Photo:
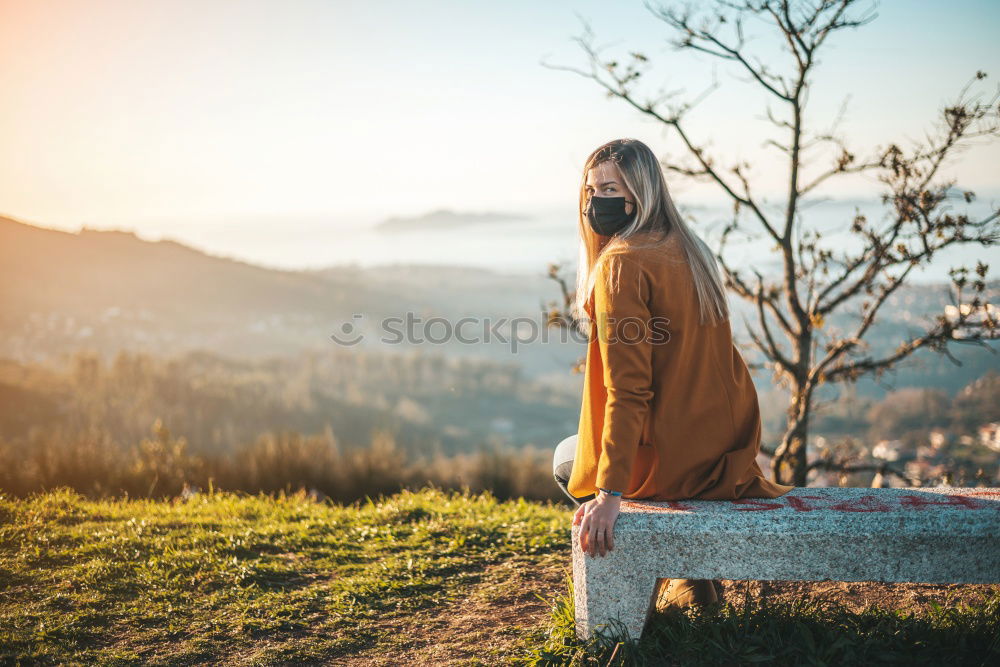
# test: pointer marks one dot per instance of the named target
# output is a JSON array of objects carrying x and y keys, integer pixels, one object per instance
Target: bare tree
[{"x": 818, "y": 281}]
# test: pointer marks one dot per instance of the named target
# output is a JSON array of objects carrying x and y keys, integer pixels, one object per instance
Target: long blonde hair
[{"x": 656, "y": 217}]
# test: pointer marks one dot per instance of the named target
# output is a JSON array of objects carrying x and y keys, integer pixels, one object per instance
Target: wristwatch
[{"x": 610, "y": 493}]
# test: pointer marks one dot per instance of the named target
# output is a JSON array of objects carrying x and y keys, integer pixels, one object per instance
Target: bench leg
[{"x": 609, "y": 599}]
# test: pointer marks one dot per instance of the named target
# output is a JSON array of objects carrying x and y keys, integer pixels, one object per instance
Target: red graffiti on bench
[{"x": 866, "y": 503}]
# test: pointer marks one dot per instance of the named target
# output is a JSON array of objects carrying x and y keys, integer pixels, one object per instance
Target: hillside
[
  {"x": 415, "y": 578},
  {"x": 111, "y": 290}
]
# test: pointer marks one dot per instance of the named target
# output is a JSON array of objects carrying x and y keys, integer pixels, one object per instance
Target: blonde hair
[{"x": 655, "y": 219}]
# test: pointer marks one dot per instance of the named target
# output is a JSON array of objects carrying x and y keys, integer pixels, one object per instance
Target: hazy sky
[{"x": 135, "y": 112}]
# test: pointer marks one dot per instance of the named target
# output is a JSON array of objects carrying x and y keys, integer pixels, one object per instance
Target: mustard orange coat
[{"x": 669, "y": 409}]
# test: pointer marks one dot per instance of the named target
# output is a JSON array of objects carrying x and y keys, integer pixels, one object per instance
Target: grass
[{"x": 418, "y": 577}]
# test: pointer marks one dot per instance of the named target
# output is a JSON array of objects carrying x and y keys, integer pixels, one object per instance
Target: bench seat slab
[{"x": 926, "y": 535}]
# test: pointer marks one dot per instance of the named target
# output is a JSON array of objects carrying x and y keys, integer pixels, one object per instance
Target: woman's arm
[{"x": 622, "y": 316}]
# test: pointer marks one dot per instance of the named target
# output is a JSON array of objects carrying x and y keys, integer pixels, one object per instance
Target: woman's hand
[{"x": 597, "y": 519}]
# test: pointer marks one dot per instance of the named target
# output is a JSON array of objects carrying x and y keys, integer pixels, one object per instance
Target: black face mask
[{"x": 607, "y": 215}]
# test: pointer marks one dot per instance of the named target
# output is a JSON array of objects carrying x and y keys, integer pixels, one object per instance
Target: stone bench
[{"x": 926, "y": 535}]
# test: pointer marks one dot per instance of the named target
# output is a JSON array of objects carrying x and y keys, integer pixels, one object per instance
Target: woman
[{"x": 669, "y": 409}]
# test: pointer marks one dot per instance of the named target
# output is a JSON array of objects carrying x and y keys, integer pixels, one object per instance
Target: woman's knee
[{"x": 562, "y": 457}]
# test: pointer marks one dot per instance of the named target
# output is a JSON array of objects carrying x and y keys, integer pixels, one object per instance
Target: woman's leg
[{"x": 562, "y": 467}]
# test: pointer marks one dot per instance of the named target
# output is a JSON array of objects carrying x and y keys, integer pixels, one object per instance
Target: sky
[{"x": 158, "y": 116}]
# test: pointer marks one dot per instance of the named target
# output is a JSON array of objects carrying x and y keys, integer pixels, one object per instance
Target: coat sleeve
[{"x": 622, "y": 316}]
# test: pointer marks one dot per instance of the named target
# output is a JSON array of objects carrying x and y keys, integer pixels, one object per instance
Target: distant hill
[
  {"x": 76, "y": 273},
  {"x": 112, "y": 289},
  {"x": 444, "y": 218}
]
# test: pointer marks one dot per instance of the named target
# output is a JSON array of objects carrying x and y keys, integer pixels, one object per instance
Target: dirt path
[{"x": 483, "y": 627}]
